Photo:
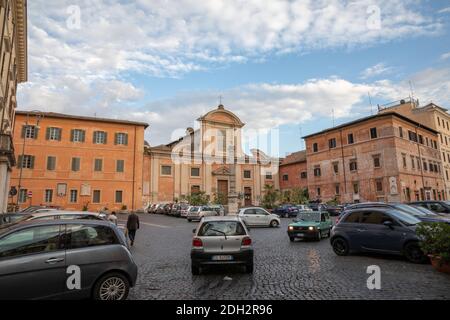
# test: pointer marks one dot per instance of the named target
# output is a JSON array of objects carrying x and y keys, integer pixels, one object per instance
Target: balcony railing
[{"x": 7, "y": 147}]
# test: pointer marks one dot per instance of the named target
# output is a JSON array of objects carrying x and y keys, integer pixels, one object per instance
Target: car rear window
[
  {"x": 81, "y": 236},
  {"x": 221, "y": 228}
]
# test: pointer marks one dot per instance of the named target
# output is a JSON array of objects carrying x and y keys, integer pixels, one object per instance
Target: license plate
[
  {"x": 300, "y": 235},
  {"x": 222, "y": 258}
]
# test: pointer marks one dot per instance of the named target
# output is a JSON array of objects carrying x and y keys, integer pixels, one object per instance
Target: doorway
[
  {"x": 247, "y": 196},
  {"x": 222, "y": 191}
]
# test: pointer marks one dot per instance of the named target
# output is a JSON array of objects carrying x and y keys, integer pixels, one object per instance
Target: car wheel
[
  {"x": 413, "y": 253},
  {"x": 189, "y": 220},
  {"x": 195, "y": 270},
  {"x": 292, "y": 239},
  {"x": 274, "y": 223},
  {"x": 340, "y": 246},
  {"x": 249, "y": 268},
  {"x": 112, "y": 286}
]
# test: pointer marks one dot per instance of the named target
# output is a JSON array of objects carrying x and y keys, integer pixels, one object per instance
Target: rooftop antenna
[
  {"x": 411, "y": 94},
  {"x": 370, "y": 101},
  {"x": 220, "y": 100}
]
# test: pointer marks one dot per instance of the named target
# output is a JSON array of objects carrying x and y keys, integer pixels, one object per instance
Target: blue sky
[{"x": 280, "y": 64}]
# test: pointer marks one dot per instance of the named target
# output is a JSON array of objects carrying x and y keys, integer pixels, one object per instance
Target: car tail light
[
  {"x": 246, "y": 241},
  {"x": 197, "y": 243}
]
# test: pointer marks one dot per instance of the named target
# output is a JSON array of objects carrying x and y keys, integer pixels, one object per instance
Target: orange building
[
  {"x": 294, "y": 172},
  {"x": 75, "y": 161}
]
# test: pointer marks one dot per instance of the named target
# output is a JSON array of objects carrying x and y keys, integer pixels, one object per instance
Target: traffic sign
[{"x": 30, "y": 194}]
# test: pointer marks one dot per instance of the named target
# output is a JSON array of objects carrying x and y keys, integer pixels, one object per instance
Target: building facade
[
  {"x": 293, "y": 172},
  {"x": 386, "y": 157},
  {"x": 74, "y": 162},
  {"x": 13, "y": 62},
  {"x": 435, "y": 117},
  {"x": 211, "y": 160}
]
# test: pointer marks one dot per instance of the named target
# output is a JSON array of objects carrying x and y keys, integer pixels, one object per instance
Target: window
[
  {"x": 32, "y": 240},
  {"x": 318, "y": 191},
  {"x": 82, "y": 236},
  {"x": 100, "y": 137},
  {"x": 439, "y": 121},
  {"x": 120, "y": 165},
  {"x": 51, "y": 163},
  {"x": 375, "y": 218},
  {"x": 431, "y": 166},
  {"x": 404, "y": 160},
  {"x": 29, "y": 132},
  {"x": 304, "y": 175},
  {"x": 221, "y": 147},
  {"x": 77, "y": 135},
  {"x": 373, "y": 133},
  {"x": 356, "y": 188},
  {"x": 76, "y": 164},
  {"x": 285, "y": 177},
  {"x": 23, "y": 195},
  {"x": 376, "y": 161},
  {"x": 166, "y": 170},
  {"x": 426, "y": 140},
  {"x": 195, "y": 172},
  {"x": 413, "y": 163},
  {"x": 247, "y": 174},
  {"x": 118, "y": 197},
  {"x": 26, "y": 161},
  {"x": 53, "y": 134},
  {"x": 353, "y": 165},
  {"x": 336, "y": 167},
  {"x": 400, "y": 132},
  {"x": 425, "y": 166},
  {"x": 446, "y": 174},
  {"x": 98, "y": 165},
  {"x": 220, "y": 228},
  {"x": 337, "y": 189},
  {"x": 73, "y": 196},
  {"x": 269, "y": 176},
  {"x": 332, "y": 143},
  {"x": 317, "y": 172},
  {"x": 48, "y": 196},
  {"x": 379, "y": 185},
  {"x": 96, "y": 196},
  {"x": 412, "y": 136},
  {"x": 350, "y": 138},
  {"x": 418, "y": 163},
  {"x": 195, "y": 189},
  {"x": 443, "y": 157},
  {"x": 121, "y": 138},
  {"x": 420, "y": 139},
  {"x": 315, "y": 147}
]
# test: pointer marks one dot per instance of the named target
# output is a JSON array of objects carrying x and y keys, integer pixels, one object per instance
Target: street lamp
[{"x": 39, "y": 115}]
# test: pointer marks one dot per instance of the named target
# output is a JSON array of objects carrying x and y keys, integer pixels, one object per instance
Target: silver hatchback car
[
  {"x": 62, "y": 259},
  {"x": 196, "y": 213},
  {"x": 221, "y": 240}
]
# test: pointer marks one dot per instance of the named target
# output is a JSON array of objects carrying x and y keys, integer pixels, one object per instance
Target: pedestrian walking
[
  {"x": 113, "y": 218},
  {"x": 132, "y": 226}
]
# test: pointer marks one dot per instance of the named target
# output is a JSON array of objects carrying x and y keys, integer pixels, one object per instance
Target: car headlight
[
  {"x": 311, "y": 228},
  {"x": 291, "y": 228}
]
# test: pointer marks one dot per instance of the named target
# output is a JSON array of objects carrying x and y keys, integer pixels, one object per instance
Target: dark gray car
[
  {"x": 387, "y": 231},
  {"x": 38, "y": 260}
]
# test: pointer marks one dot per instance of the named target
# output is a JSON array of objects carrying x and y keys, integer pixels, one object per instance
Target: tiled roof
[{"x": 296, "y": 157}]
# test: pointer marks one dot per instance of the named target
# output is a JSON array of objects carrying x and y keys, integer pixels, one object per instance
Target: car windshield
[
  {"x": 194, "y": 209},
  {"x": 221, "y": 228},
  {"x": 404, "y": 217},
  {"x": 425, "y": 210},
  {"x": 412, "y": 210},
  {"x": 309, "y": 216}
]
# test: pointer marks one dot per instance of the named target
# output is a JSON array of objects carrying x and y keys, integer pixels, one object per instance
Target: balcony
[{"x": 7, "y": 148}]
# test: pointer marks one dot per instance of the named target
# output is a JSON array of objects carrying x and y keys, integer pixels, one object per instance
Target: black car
[
  {"x": 286, "y": 211},
  {"x": 425, "y": 217},
  {"x": 439, "y": 207},
  {"x": 381, "y": 230}
]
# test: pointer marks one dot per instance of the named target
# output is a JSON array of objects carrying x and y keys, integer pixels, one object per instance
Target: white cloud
[
  {"x": 444, "y": 10},
  {"x": 445, "y": 56},
  {"x": 376, "y": 71}
]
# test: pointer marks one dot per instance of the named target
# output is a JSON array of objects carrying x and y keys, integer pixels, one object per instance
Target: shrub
[{"x": 435, "y": 239}]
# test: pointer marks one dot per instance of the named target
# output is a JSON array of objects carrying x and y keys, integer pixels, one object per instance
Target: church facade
[{"x": 209, "y": 159}]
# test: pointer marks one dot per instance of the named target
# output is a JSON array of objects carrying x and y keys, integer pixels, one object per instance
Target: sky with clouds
[{"x": 285, "y": 64}]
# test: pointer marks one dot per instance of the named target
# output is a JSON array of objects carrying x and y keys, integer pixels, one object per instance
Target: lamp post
[{"x": 39, "y": 115}]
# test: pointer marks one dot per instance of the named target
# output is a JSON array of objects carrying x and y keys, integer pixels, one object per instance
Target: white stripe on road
[{"x": 150, "y": 224}]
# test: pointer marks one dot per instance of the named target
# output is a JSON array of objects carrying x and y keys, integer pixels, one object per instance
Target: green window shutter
[
  {"x": 47, "y": 134},
  {"x": 94, "y": 136},
  {"x": 59, "y": 134},
  {"x": 126, "y": 139},
  {"x": 19, "y": 162},
  {"x": 83, "y": 135},
  {"x": 36, "y": 132},
  {"x": 71, "y": 135},
  {"x": 22, "y": 135},
  {"x": 106, "y": 138},
  {"x": 116, "y": 138},
  {"x": 32, "y": 162}
]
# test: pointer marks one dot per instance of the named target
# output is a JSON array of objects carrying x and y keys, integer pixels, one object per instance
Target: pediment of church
[{"x": 222, "y": 171}]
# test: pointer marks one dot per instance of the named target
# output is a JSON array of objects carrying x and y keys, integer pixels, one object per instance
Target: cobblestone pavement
[{"x": 283, "y": 270}]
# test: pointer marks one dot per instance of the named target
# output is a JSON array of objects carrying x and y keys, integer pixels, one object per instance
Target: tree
[
  {"x": 299, "y": 196},
  {"x": 270, "y": 196},
  {"x": 198, "y": 199}
]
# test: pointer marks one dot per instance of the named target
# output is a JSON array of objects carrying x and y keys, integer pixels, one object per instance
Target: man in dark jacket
[{"x": 132, "y": 226}]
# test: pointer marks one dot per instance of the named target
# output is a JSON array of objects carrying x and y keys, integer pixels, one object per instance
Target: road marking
[{"x": 150, "y": 224}]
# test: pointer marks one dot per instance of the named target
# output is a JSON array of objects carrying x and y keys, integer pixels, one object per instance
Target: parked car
[
  {"x": 439, "y": 207},
  {"x": 177, "y": 208},
  {"x": 38, "y": 208},
  {"x": 430, "y": 217},
  {"x": 383, "y": 230},
  {"x": 196, "y": 213},
  {"x": 286, "y": 211},
  {"x": 258, "y": 217},
  {"x": 220, "y": 209},
  {"x": 35, "y": 256},
  {"x": 222, "y": 240},
  {"x": 303, "y": 207},
  {"x": 184, "y": 211},
  {"x": 68, "y": 215},
  {"x": 160, "y": 208},
  {"x": 332, "y": 210},
  {"x": 310, "y": 225},
  {"x": 8, "y": 218},
  {"x": 151, "y": 208}
]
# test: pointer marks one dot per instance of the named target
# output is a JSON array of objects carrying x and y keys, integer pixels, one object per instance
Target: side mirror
[
  {"x": 389, "y": 224},
  {"x": 194, "y": 230}
]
